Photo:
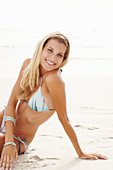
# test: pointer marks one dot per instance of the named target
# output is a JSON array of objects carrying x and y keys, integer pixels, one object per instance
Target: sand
[{"x": 90, "y": 110}]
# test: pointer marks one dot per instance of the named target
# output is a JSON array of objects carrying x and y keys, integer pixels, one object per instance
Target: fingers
[
  {"x": 99, "y": 156},
  {"x": 1, "y": 161},
  {"x": 16, "y": 157},
  {"x": 7, "y": 159},
  {"x": 93, "y": 156},
  {"x": 11, "y": 164},
  {"x": 6, "y": 163},
  {"x": 96, "y": 156}
]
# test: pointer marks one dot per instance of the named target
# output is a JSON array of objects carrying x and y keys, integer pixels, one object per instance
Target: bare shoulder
[
  {"x": 24, "y": 65},
  {"x": 56, "y": 88},
  {"x": 26, "y": 62},
  {"x": 54, "y": 77}
]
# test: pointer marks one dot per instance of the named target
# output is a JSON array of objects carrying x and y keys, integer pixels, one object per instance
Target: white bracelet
[
  {"x": 9, "y": 118},
  {"x": 10, "y": 143}
]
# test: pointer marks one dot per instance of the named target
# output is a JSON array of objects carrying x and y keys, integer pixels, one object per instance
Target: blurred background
[{"x": 87, "y": 24}]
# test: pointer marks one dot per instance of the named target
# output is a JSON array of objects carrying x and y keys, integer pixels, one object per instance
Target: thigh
[
  {"x": 2, "y": 141},
  {"x": 1, "y": 116},
  {"x": 20, "y": 145}
]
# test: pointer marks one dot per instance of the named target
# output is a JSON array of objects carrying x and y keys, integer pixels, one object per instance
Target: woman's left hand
[{"x": 94, "y": 156}]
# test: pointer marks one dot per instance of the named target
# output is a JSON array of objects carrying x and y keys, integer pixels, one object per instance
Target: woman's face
[{"x": 52, "y": 55}]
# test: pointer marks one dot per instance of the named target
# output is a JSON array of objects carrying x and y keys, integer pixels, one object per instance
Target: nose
[{"x": 53, "y": 57}]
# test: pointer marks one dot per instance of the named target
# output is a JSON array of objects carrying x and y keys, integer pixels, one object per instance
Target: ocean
[
  {"x": 85, "y": 58},
  {"x": 87, "y": 24}
]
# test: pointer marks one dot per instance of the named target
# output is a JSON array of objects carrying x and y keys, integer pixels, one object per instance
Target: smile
[{"x": 50, "y": 63}]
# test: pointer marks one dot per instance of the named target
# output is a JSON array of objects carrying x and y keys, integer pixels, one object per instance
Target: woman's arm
[
  {"x": 11, "y": 106},
  {"x": 9, "y": 152},
  {"x": 56, "y": 89}
]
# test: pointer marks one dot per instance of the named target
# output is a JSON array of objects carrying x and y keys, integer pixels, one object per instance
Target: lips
[{"x": 50, "y": 63}]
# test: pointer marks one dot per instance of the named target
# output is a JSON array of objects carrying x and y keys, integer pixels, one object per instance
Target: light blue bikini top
[{"x": 37, "y": 101}]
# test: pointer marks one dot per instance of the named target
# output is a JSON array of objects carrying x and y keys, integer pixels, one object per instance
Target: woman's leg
[
  {"x": 21, "y": 148},
  {"x": 2, "y": 141},
  {"x": 1, "y": 116}
]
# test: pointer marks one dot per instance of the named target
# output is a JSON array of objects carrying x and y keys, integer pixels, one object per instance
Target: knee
[
  {"x": 1, "y": 116},
  {"x": 2, "y": 141},
  {"x": 2, "y": 138}
]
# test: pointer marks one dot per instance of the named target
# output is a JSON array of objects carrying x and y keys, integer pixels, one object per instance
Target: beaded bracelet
[
  {"x": 10, "y": 143},
  {"x": 9, "y": 118}
]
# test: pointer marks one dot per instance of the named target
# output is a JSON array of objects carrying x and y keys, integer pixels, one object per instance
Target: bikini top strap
[{"x": 41, "y": 81}]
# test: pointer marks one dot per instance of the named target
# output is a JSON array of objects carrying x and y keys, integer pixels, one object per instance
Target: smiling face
[{"x": 52, "y": 55}]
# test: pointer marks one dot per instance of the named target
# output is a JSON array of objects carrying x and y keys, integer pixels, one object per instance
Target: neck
[{"x": 42, "y": 71}]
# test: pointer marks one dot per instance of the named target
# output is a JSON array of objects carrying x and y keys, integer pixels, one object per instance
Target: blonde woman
[{"x": 39, "y": 92}]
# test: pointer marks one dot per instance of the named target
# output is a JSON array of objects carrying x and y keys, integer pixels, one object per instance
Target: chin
[
  {"x": 51, "y": 69},
  {"x": 46, "y": 68}
]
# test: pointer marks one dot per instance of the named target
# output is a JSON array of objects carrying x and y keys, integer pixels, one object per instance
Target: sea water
[
  {"x": 87, "y": 24},
  {"x": 85, "y": 58}
]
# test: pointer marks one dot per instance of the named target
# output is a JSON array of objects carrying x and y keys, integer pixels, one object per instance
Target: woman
[{"x": 38, "y": 92}]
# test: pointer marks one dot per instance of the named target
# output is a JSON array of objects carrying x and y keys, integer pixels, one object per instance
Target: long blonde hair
[{"x": 31, "y": 73}]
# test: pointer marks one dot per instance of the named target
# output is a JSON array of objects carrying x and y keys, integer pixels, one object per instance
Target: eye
[
  {"x": 60, "y": 55},
  {"x": 50, "y": 50}
]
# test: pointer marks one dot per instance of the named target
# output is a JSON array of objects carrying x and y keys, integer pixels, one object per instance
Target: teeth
[{"x": 50, "y": 62}]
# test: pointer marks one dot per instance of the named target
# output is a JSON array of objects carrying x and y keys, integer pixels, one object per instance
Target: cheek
[
  {"x": 60, "y": 60},
  {"x": 43, "y": 54}
]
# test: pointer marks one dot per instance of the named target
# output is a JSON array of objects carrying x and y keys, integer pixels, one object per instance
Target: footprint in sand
[
  {"x": 51, "y": 136},
  {"x": 89, "y": 128},
  {"x": 52, "y": 158},
  {"x": 37, "y": 158},
  {"x": 110, "y": 137},
  {"x": 28, "y": 161}
]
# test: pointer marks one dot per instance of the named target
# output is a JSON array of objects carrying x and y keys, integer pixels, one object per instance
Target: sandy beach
[
  {"x": 90, "y": 110},
  {"x": 88, "y": 77}
]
